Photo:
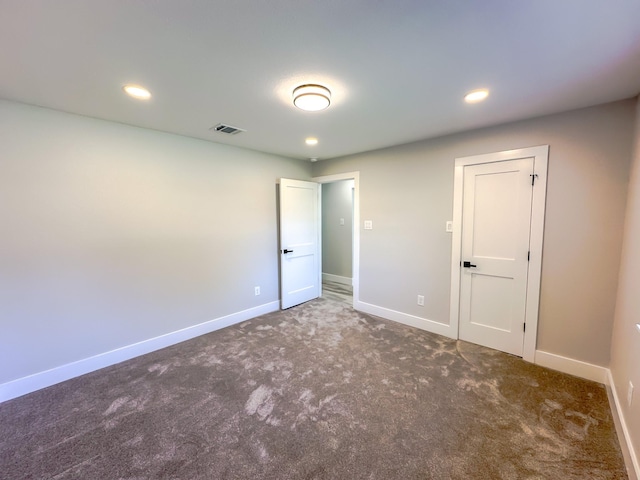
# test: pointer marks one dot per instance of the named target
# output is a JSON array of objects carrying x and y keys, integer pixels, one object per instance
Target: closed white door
[
  {"x": 299, "y": 242},
  {"x": 496, "y": 224}
]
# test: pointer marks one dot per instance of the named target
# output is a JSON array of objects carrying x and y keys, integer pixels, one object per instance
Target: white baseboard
[
  {"x": 578, "y": 368},
  {"x": 406, "y": 319},
  {"x": 630, "y": 452},
  {"x": 337, "y": 278},
  {"x": 31, "y": 383}
]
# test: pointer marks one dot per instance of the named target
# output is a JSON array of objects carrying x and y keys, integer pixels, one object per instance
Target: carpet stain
[
  {"x": 159, "y": 368},
  {"x": 260, "y": 402},
  {"x": 116, "y": 404}
]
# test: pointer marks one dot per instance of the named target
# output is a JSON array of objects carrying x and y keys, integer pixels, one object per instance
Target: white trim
[
  {"x": 541, "y": 160},
  {"x": 406, "y": 319},
  {"x": 540, "y": 165},
  {"x": 31, "y": 383},
  {"x": 319, "y": 241},
  {"x": 329, "y": 277},
  {"x": 355, "y": 176},
  {"x": 571, "y": 366},
  {"x": 635, "y": 463},
  {"x": 456, "y": 247}
]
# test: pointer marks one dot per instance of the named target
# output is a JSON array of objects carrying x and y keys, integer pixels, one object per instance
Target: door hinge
[
  {"x": 533, "y": 178},
  {"x": 524, "y": 327},
  {"x": 529, "y": 256}
]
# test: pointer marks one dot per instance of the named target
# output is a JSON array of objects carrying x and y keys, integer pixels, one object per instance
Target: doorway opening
[
  {"x": 337, "y": 240},
  {"x": 339, "y": 221}
]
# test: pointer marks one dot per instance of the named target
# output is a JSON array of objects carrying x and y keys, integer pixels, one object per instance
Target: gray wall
[
  {"x": 625, "y": 345},
  {"x": 111, "y": 235},
  {"x": 407, "y": 191},
  {"x": 337, "y": 242}
]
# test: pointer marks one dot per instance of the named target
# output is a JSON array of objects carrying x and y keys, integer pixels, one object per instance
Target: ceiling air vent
[{"x": 228, "y": 129}]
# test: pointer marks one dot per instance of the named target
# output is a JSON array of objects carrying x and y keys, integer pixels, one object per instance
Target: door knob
[
  {"x": 287, "y": 251},
  {"x": 468, "y": 264}
]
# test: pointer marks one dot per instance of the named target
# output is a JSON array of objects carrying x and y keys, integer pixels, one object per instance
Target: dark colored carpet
[{"x": 315, "y": 392}]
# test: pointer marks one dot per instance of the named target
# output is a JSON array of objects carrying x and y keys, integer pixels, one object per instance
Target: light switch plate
[
  {"x": 449, "y": 227},
  {"x": 368, "y": 225},
  {"x": 342, "y": 221}
]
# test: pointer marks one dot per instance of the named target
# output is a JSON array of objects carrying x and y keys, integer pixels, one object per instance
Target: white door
[
  {"x": 299, "y": 242},
  {"x": 496, "y": 224}
]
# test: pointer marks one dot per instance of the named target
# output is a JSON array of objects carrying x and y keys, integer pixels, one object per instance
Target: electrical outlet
[
  {"x": 257, "y": 290},
  {"x": 630, "y": 394},
  {"x": 421, "y": 300}
]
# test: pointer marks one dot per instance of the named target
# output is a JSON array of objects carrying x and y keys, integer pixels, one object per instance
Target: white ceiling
[{"x": 398, "y": 69}]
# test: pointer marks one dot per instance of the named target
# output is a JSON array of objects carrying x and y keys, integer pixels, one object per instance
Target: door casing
[{"x": 540, "y": 155}]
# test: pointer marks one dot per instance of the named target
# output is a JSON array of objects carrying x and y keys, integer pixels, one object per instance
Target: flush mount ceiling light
[
  {"x": 311, "y": 97},
  {"x": 311, "y": 141},
  {"x": 476, "y": 96},
  {"x": 136, "y": 91}
]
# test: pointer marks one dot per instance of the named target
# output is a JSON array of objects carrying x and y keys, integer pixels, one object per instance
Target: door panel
[
  {"x": 495, "y": 242},
  {"x": 495, "y": 213},
  {"x": 299, "y": 238},
  {"x": 492, "y": 314}
]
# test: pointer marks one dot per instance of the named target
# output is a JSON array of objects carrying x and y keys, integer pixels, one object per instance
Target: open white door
[{"x": 300, "y": 278}]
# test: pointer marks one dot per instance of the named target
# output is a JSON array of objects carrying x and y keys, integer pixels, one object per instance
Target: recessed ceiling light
[
  {"x": 136, "y": 91},
  {"x": 313, "y": 159},
  {"x": 311, "y": 141},
  {"x": 476, "y": 96},
  {"x": 311, "y": 97}
]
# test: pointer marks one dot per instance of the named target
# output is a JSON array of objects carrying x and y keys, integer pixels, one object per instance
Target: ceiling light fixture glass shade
[{"x": 311, "y": 98}]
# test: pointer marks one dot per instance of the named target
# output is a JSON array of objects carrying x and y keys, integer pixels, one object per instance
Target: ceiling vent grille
[{"x": 228, "y": 129}]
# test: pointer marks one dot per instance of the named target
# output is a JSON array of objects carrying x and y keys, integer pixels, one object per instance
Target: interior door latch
[{"x": 468, "y": 264}]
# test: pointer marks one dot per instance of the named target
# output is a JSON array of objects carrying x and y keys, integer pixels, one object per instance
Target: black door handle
[
  {"x": 468, "y": 264},
  {"x": 287, "y": 251}
]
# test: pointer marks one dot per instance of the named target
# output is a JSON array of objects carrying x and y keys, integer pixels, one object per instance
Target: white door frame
[
  {"x": 540, "y": 156},
  {"x": 355, "y": 268}
]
